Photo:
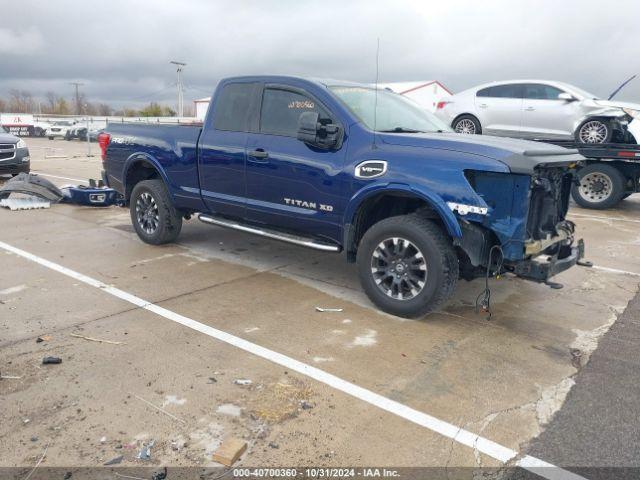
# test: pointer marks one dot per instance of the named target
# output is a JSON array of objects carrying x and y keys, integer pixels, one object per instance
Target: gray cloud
[{"x": 120, "y": 49}]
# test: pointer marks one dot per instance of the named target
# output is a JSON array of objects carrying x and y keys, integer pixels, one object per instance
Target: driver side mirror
[
  {"x": 318, "y": 133},
  {"x": 567, "y": 97}
]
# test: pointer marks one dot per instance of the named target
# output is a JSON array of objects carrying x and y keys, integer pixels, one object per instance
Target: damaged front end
[{"x": 526, "y": 223}]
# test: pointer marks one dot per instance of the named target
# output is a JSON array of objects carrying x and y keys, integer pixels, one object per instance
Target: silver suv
[{"x": 540, "y": 109}]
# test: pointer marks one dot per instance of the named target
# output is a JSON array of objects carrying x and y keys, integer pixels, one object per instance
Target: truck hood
[
  {"x": 615, "y": 104},
  {"x": 8, "y": 138},
  {"x": 520, "y": 156}
]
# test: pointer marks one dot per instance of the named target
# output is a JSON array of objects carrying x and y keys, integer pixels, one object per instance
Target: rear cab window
[
  {"x": 281, "y": 109},
  {"x": 235, "y": 107}
]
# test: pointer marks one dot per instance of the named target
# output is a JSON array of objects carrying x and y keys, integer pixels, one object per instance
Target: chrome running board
[{"x": 284, "y": 237}]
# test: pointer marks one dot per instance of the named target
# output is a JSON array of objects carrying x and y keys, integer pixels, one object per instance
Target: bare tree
[{"x": 21, "y": 101}]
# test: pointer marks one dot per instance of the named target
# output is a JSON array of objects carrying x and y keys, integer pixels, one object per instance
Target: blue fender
[
  {"x": 144, "y": 157},
  {"x": 431, "y": 198}
]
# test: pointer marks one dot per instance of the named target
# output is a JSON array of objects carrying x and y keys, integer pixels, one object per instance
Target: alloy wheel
[
  {"x": 593, "y": 132},
  {"x": 399, "y": 268},
  {"x": 147, "y": 213},
  {"x": 465, "y": 126}
]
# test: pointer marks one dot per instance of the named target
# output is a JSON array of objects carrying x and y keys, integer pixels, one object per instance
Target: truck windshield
[{"x": 394, "y": 112}]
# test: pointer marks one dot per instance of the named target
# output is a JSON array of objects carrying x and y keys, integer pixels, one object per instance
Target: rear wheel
[
  {"x": 467, "y": 124},
  {"x": 407, "y": 265},
  {"x": 154, "y": 218},
  {"x": 600, "y": 186},
  {"x": 594, "y": 131}
]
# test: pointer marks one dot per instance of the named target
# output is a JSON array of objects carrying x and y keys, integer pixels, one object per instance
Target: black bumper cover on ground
[{"x": 541, "y": 271}]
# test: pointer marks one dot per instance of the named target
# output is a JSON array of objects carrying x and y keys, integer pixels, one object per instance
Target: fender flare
[
  {"x": 435, "y": 201},
  {"x": 142, "y": 158}
]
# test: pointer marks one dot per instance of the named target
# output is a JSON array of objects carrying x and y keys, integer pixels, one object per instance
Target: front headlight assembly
[{"x": 21, "y": 144}]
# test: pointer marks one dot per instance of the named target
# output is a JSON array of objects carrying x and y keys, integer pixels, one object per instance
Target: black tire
[
  {"x": 600, "y": 186},
  {"x": 417, "y": 234},
  {"x": 601, "y": 128},
  {"x": 152, "y": 196},
  {"x": 467, "y": 124}
]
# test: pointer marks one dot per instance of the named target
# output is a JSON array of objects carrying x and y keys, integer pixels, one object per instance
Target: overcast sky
[{"x": 120, "y": 49}]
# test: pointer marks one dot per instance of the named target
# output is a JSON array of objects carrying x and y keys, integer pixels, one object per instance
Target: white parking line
[
  {"x": 598, "y": 217},
  {"x": 615, "y": 270},
  {"x": 62, "y": 178},
  {"x": 457, "y": 434}
]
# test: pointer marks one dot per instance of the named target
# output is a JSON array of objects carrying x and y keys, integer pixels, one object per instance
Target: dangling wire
[{"x": 484, "y": 299}]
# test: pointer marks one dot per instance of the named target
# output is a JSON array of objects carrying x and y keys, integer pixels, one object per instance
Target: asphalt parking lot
[{"x": 168, "y": 379}]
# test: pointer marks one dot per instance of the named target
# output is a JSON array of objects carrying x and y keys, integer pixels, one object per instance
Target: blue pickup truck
[{"x": 345, "y": 167}]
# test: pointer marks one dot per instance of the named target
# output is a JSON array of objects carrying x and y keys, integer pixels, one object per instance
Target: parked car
[
  {"x": 311, "y": 163},
  {"x": 539, "y": 109},
  {"x": 59, "y": 129},
  {"x": 14, "y": 154}
]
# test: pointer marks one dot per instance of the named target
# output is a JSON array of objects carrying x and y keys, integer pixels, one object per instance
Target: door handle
[
  {"x": 529, "y": 109},
  {"x": 258, "y": 154},
  {"x": 483, "y": 105}
]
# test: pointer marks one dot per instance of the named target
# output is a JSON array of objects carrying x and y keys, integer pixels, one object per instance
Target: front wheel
[
  {"x": 600, "y": 186},
  {"x": 594, "y": 131},
  {"x": 407, "y": 265},
  {"x": 154, "y": 218}
]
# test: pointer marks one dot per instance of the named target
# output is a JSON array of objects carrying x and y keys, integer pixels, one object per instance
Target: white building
[
  {"x": 201, "y": 106},
  {"x": 426, "y": 93}
]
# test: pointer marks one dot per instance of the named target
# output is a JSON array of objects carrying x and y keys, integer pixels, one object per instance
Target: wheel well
[
  {"x": 138, "y": 171},
  {"x": 381, "y": 206}
]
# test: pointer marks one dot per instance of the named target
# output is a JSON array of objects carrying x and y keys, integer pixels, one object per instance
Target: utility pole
[
  {"x": 78, "y": 106},
  {"x": 179, "y": 67}
]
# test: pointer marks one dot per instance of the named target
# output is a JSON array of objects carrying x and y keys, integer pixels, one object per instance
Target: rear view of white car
[{"x": 540, "y": 109}]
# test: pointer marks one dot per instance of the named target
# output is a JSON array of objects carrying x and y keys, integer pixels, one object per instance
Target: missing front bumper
[{"x": 543, "y": 267}]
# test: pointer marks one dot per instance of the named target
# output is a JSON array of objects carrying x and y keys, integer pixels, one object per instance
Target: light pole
[
  {"x": 179, "y": 67},
  {"x": 78, "y": 106}
]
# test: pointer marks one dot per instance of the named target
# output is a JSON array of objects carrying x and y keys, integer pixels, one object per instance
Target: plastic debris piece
[
  {"x": 51, "y": 360},
  {"x": 274, "y": 445},
  {"x": 321, "y": 309},
  {"x": 30, "y": 203},
  {"x": 91, "y": 339},
  {"x": 145, "y": 452},
  {"x": 115, "y": 461},
  {"x": 43, "y": 338},
  {"x": 242, "y": 381}
]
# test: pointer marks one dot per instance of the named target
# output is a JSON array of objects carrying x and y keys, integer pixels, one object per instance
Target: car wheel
[
  {"x": 154, "y": 218},
  {"x": 600, "y": 186},
  {"x": 407, "y": 265},
  {"x": 467, "y": 124},
  {"x": 594, "y": 131}
]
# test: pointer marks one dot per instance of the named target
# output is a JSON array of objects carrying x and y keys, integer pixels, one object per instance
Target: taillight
[
  {"x": 440, "y": 105},
  {"x": 103, "y": 141}
]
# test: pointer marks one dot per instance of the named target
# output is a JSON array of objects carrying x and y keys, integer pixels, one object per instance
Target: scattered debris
[
  {"x": 229, "y": 409},
  {"x": 38, "y": 462},
  {"x": 145, "y": 452},
  {"x": 43, "y": 338},
  {"x": 25, "y": 421},
  {"x": 274, "y": 445},
  {"x": 229, "y": 451},
  {"x": 305, "y": 405},
  {"x": 173, "y": 400},
  {"x": 576, "y": 357},
  {"x": 115, "y": 461},
  {"x": 159, "y": 409},
  {"x": 278, "y": 402},
  {"x": 9, "y": 377},
  {"x": 32, "y": 185},
  {"x": 242, "y": 381},
  {"x": 103, "y": 440},
  {"x": 51, "y": 360},
  {"x": 212, "y": 380},
  {"x": 34, "y": 439},
  {"x": 321, "y": 309},
  {"x": 160, "y": 475},
  {"x": 94, "y": 195},
  {"x": 30, "y": 203},
  {"x": 16, "y": 289},
  {"x": 91, "y": 339}
]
